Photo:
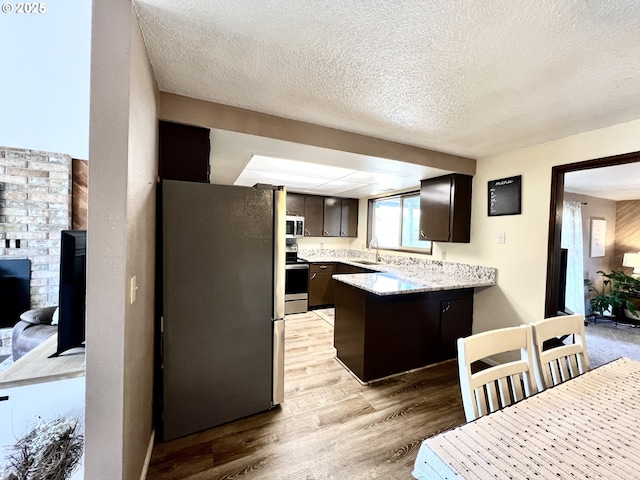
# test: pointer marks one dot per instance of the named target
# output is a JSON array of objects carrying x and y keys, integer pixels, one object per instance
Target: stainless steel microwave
[{"x": 295, "y": 226}]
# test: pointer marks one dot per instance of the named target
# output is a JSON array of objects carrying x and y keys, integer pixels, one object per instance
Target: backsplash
[{"x": 409, "y": 265}]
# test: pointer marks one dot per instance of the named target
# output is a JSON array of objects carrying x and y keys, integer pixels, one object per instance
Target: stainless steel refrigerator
[{"x": 223, "y": 265}]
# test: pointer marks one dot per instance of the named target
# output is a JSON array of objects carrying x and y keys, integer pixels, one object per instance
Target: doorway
[{"x": 552, "y": 298}]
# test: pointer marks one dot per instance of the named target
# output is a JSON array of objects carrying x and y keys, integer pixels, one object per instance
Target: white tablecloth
[{"x": 586, "y": 428}]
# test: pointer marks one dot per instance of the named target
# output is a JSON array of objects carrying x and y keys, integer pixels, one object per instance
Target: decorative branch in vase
[{"x": 49, "y": 451}]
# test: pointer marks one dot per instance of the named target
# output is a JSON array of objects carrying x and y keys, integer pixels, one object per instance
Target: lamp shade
[{"x": 632, "y": 260}]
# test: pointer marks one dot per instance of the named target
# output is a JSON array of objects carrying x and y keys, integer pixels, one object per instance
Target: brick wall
[{"x": 35, "y": 206}]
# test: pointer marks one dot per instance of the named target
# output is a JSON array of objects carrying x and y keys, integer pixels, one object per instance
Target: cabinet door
[
  {"x": 349, "y": 217},
  {"x": 332, "y": 217},
  {"x": 321, "y": 285},
  {"x": 313, "y": 215},
  {"x": 435, "y": 208},
  {"x": 445, "y": 208},
  {"x": 183, "y": 152},
  {"x": 295, "y": 204},
  {"x": 456, "y": 318}
]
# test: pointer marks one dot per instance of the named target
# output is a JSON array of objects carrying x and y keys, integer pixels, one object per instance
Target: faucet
[{"x": 375, "y": 240}]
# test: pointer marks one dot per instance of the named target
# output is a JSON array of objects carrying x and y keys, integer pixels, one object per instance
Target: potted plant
[{"x": 614, "y": 295}]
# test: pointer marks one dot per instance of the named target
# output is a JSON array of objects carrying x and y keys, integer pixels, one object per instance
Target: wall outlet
[
  {"x": 501, "y": 237},
  {"x": 134, "y": 288}
]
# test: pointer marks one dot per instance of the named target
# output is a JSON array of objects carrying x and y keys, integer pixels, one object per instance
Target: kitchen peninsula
[{"x": 406, "y": 314}]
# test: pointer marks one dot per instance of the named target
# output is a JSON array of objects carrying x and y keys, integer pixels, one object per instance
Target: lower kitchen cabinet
[
  {"x": 455, "y": 321},
  {"x": 321, "y": 285},
  {"x": 377, "y": 336}
]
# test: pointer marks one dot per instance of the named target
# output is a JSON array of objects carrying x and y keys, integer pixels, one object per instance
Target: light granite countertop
[{"x": 397, "y": 275}]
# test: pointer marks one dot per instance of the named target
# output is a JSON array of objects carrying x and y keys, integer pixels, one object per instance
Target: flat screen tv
[{"x": 71, "y": 305}]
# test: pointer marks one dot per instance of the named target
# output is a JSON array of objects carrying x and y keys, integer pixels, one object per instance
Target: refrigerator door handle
[
  {"x": 279, "y": 255},
  {"x": 278, "y": 362}
]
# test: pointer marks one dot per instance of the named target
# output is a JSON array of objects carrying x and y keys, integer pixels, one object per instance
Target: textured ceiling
[
  {"x": 471, "y": 78},
  {"x": 619, "y": 182}
]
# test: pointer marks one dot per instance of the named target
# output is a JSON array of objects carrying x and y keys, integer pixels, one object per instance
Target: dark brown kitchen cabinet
[
  {"x": 380, "y": 335},
  {"x": 321, "y": 285},
  {"x": 325, "y": 216},
  {"x": 455, "y": 322},
  {"x": 295, "y": 204},
  {"x": 332, "y": 217},
  {"x": 183, "y": 152},
  {"x": 349, "y": 217},
  {"x": 313, "y": 216},
  {"x": 344, "y": 268},
  {"x": 445, "y": 208},
  {"x": 340, "y": 217}
]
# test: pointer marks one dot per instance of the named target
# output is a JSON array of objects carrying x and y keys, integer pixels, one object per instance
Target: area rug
[
  {"x": 327, "y": 314},
  {"x": 607, "y": 341}
]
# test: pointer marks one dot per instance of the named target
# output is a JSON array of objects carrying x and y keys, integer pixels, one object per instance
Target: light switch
[
  {"x": 501, "y": 237},
  {"x": 134, "y": 288}
]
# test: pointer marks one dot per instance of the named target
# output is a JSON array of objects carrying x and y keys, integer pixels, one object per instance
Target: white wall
[
  {"x": 45, "y": 61},
  {"x": 519, "y": 296}
]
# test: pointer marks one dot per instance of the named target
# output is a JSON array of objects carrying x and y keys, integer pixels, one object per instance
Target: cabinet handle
[
  {"x": 422, "y": 235},
  {"x": 313, "y": 276},
  {"x": 326, "y": 234},
  {"x": 306, "y": 232},
  {"x": 324, "y": 267},
  {"x": 343, "y": 234},
  {"x": 446, "y": 308}
]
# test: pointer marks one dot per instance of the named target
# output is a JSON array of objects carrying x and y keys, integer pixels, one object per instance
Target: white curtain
[{"x": 572, "y": 241}]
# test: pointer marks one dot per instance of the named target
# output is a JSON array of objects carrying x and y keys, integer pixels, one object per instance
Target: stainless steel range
[{"x": 296, "y": 283}]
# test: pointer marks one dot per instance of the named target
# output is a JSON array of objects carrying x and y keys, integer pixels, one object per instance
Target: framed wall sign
[
  {"x": 598, "y": 237},
  {"x": 504, "y": 196}
]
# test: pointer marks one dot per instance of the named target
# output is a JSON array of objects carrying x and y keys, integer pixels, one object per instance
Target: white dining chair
[
  {"x": 501, "y": 384},
  {"x": 556, "y": 361}
]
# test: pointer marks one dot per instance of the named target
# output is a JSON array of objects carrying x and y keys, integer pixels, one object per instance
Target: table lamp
[{"x": 632, "y": 260}]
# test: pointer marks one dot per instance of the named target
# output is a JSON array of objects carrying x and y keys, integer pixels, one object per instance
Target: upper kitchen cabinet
[
  {"x": 445, "y": 208},
  {"x": 349, "y": 217},
  {"x": 313, "y": 216},
  {"x": 332, "y": 217},
  {"x": 183, "y": 152},
  {"x": 340, "y": 217},
  {"x": 295, "y": 204},
  {"x": 325, "y": 216}
]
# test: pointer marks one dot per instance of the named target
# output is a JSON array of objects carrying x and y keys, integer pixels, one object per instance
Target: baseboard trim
[{"x": 147, "y": 458}]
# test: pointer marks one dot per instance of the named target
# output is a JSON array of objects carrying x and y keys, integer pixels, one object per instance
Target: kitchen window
[{"x": 394, "y": 222}]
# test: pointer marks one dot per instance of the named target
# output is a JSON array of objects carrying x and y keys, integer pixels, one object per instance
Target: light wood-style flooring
[{"x": 329, "y": 426}]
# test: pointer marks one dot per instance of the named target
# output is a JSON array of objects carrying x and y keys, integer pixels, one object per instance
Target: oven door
[{"x": 296, "y": 288}]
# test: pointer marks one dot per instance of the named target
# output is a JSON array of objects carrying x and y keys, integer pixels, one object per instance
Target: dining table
[{"x": 585, "y": 428}]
